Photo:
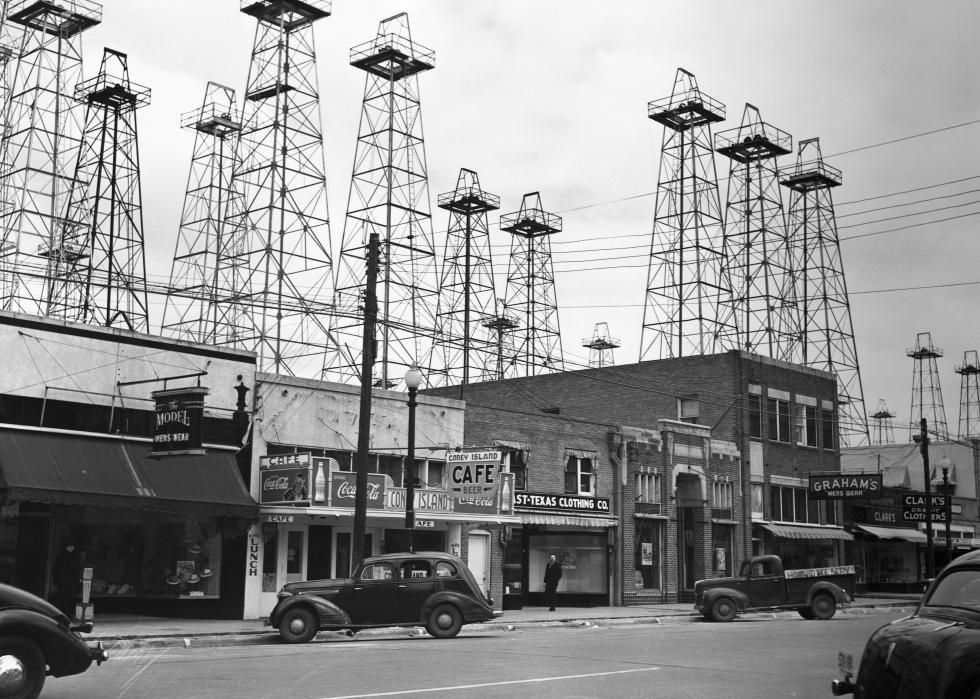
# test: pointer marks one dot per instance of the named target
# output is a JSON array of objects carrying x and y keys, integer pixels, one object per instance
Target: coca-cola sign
[
  {"x": 343, "y": 490},
  {"x": 285, "y": 485}
]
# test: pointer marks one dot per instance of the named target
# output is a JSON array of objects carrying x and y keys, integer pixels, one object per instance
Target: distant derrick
[
  {"x": 927, "y": 391},
  {"x": 601, "y": 346},
  {"x": 883, "y": 431},
  {"x": 969, "y": 372},
  {"x": 684, "y": 277}
]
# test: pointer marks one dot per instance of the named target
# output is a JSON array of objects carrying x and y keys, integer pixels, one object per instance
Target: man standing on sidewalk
[{"x": 552, "y": 574}]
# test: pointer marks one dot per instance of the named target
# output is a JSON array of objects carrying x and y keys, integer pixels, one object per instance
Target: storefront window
[
  {"x": 582, "y": 557},
  {"x": 721, "y": 559},
  {"x": 649, "y": 554},
  {"x": 147, "y": 554}
]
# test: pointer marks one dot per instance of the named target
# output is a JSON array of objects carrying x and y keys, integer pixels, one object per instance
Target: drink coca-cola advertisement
[
  {"x": 343, "y": 490},
  {"x": 286, "y": 479}
]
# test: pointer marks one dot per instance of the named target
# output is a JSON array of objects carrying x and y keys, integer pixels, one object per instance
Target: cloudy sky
[{"x": 551, "y": 96}]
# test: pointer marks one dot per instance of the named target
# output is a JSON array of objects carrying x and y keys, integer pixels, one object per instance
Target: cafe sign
[
  {"x": 178, "y": 421},
  {"x": 285, "y": 479}
]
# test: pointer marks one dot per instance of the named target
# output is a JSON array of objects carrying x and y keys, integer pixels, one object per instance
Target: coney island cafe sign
[
  {"x": 178, "y": 421},
  {"x": 845, "y": 486}
]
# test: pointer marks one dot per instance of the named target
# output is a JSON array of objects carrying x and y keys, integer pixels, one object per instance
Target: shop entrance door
[
  {"x": 284, "y": 559},
  {"x": 478, "y": 557}
]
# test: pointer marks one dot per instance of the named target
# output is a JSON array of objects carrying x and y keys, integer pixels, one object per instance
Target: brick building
[{"x": 649, "y": 476}]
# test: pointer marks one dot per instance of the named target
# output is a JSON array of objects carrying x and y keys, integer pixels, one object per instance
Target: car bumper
[
  {"x": 497, "y": 614},
  {"x": 97, "y": 653}
]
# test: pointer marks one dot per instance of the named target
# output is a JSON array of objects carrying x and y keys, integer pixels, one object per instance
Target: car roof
[
  {"x": 417, "y": 554},
  {"x": 967, "y": 559}
]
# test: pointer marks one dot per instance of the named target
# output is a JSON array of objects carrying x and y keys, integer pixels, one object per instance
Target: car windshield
[{"x": 960, "y": 588}]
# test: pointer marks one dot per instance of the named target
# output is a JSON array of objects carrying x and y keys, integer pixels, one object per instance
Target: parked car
[
  {"x": 931, "y": 654},
  {"x": 762, "y": 583},
  {"x": 36, "y": 640},
  {"x": 435, "y": 590}
]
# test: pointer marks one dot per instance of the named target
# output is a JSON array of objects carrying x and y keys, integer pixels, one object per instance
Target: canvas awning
[
  {"x": 70, "y": 469},
  {"x": 566, "y": 520},
  {"x": 898, "y": 533},
  {"x": 789, "y": 531}
]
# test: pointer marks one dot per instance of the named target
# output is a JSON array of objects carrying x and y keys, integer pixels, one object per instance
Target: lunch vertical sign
[{"x": 178, "y": 421}]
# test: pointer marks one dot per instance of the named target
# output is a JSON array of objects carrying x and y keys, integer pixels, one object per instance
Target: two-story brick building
[{"x": 646, "y": 477}]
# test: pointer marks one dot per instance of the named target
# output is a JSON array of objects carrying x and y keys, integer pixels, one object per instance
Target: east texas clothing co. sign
[{"x": 567, "y": 503}]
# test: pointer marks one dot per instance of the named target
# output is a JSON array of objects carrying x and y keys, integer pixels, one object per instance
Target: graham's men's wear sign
[
  {"x": 178, "y": 423},
  {"x": 843, "y": 486},
  {"x": 568, "y": 503}
]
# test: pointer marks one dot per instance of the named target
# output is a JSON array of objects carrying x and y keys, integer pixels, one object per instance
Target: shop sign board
[
  {"x": 915, "y": 508},
  {"x": 425, "y": 523},
  {"x": 424, "y": 500},
  {"x": 567, "y": 503},
  {"x": 875, "y": 515},
  {"x": 845, "y": 486},
  {"x": 476, "y": 505},
  {"x": 178, "y": 421},
  {"x": 285, "y": 479},
  {"x": 473, "y": 472},
  {"x": 343, "y": 490}
]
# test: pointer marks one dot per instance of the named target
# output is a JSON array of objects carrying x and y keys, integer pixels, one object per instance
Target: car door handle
[
  {"x": 402, "y": 587},
  {"x": 358, "y": 588}
]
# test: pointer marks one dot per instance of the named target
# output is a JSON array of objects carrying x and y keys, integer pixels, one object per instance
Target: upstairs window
[
  {"x": 688, "y": 410},
  {"x": 778, "y": 411},
  {"x": 755, "y": 415},
  {"x": 515, "y": 461},
  {"x": 580, "y": 473},
  {"x": 648, "y": 487},
  {"x": 805, "y": 425},
  {"x": 827, "y": 425}
]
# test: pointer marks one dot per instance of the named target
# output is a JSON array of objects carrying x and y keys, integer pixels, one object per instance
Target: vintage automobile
[
  {"x": 932, "y": 654},
  {"x": 435, "y": 590},
  {"x": 36, "y": 640}
]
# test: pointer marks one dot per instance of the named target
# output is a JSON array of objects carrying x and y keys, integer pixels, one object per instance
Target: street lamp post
[
  {"x": 948, "y": 508},
  {"x": 413, "y": 379}
]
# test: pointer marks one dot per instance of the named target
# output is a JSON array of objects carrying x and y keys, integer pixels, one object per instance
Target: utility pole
[
  {"x": 923, "y": 441},
  {"x": 364, "y": 419}
]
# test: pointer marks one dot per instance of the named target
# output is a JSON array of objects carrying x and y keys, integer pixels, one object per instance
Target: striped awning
[
  {"x": 791, "y": 531},
  {"x": 567, "y": 520},
  {"x": 899, "y": 533}
]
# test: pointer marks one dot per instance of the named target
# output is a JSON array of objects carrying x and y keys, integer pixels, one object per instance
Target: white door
[{"x": 478, "y": 557}]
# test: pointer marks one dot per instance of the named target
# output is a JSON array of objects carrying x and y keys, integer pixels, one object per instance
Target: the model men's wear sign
[{"x": 178, "y": 422}]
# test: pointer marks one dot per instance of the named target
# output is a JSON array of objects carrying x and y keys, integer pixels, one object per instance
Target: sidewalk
[{"x": 125, "y": 632}]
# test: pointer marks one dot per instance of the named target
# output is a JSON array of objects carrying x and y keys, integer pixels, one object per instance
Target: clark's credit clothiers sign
[{"x": 842, "y": 486}]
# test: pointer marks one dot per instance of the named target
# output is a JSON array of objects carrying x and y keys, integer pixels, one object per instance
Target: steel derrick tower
[
  {"x": 41, "y": 139},
  {"x": 927, "y": 391},
  {"x": 684, "y": 278},
  {"x": 192, "y": 308},
  {"x": 273, "y": 264},
  {"x": 389, "y": 197},
  {"x": 969, "y": 372},
  {"x": 531, "y": 289},
  {"x": 98, "y": 271},
  {"x": 601, "y": 346},
  {"x": 826, "y": 334},
  {"x": 759, "y": 313},
  {"x": 467, "y": 300},
  {"x": 883, "y": 431}
]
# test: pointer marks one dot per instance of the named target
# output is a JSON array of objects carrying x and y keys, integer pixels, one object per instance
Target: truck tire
[
  {"x": 805, "y": 612},
  {"x": 724, "y": 609},
  {"x": 824, "y": 606}
]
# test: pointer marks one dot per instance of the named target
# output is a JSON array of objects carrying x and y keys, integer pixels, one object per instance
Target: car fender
[
  {"x": 466, "y": 604},
  {"x": 710, "y": 595},
  {"x": 840, "y": 596},
  {"x": 64, "y": 652},
  {"x": 328, "y": 613}
]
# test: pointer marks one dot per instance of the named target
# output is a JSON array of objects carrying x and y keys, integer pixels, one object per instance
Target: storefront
[
  {"x": 802, "y": 546},
  {"x": 581, "y": 534},
  {"x": 161, "y": 535},
  {"x": 306, "y": 533}
]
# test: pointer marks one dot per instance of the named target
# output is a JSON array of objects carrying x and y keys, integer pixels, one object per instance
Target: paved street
[{"x": 756, "y": 656}]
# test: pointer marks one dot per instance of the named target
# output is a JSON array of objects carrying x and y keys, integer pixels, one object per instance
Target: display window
[
  {"x": 147, "y": 554},
  {"x": 722, "y": 536},
  {"x": 583, "y": 561},
  {"x": 649, "y": 555}
]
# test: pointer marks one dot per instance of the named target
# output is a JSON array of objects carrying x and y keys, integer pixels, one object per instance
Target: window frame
[
  {"x": 574, "y": 469},
  {"x": 778, "y": 411},
  {"x": 684, "y": 407}
]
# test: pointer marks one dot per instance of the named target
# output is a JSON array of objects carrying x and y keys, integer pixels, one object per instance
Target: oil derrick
[
  {"x": 41, "y": 139},
  {"x": 758, "y": 312},
  {"x": 531, "y": 289},
  {"x": 98, "y": 271},
  {"x": 601, "y": 346},
  {"x": 192, "y": 308},
  {"x": 826, "y": 333},
  {"x": 389, "y": 197},
  {"x": 969, "y": 372},
  {"x": 467, "y": 299},
  {"x": 273, "y": 278},
  {"x": 883, "y": 431},
  {"x": 684, "y": 279},
  {"x": 502, "y": 325},
  {"x": 927, "y": 392}
]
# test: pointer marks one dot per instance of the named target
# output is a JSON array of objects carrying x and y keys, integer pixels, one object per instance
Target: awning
[
  {"x": 95, "y": 471},
  {"x": 913, "y": 535},
  {"x": 789, "y": 531},
  {"x": 567, "y": 520}
]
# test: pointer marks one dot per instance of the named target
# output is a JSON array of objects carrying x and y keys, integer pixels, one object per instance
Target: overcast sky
[{"x": 551, "y": 96}]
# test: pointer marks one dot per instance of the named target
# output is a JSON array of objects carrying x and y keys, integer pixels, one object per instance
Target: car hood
[
  {"x": 11, "y": 596},
  {"x": 312, "y": 586}
]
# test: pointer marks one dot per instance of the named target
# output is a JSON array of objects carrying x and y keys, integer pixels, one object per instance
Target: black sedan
[
  {"x": 933, "y": 654},
  {"x": 434, "y": 590},
  {"x": 36, "y": 640}
]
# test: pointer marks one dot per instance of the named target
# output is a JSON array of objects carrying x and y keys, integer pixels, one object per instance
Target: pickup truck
[{"x": 763, "y": 584}]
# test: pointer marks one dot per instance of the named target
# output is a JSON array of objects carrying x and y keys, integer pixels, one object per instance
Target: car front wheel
[
  {"x": 21, "y": 668},
  {"x": 723, "y": 609},
  {"x": 298, "y": 625},
  {"x": 445, "y": 621}
]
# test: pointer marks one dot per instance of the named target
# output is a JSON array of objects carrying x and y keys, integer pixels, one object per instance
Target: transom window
[
  {"x": 648, "y": 487},
  {"x": 792, "y": 505},
  {"x": 721, "y": 495}
]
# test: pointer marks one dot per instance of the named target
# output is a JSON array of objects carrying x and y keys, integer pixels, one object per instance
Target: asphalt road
[{"x": 758, "y": 656}]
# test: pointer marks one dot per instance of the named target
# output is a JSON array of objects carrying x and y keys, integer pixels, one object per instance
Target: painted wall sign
[
  {"x": 178, "y": 421},
  {"x": 567, "y": 503},
  {"x": 843, "y": 486}
]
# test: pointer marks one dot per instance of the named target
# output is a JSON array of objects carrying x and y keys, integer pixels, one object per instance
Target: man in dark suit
[{"x": 552, "y": 574}]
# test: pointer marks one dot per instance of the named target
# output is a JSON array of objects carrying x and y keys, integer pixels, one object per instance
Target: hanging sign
[
  {"x": 178, "y": 422},
  {"x": 474, "y": 472},
  {"x": 285, "y": 479},
  {"x": 844, "y": 486}
]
